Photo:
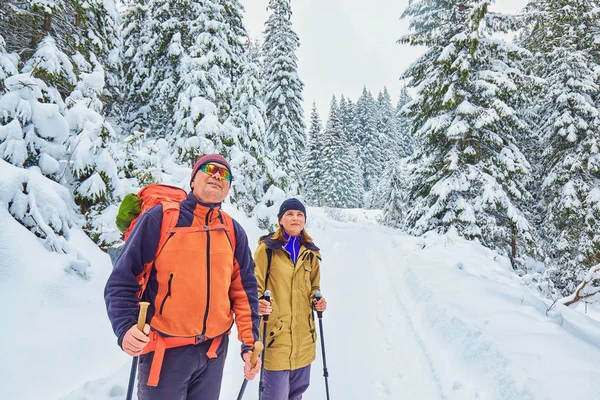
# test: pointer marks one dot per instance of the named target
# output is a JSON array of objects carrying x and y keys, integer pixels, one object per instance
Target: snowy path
[{"x": 376, "y": 331}]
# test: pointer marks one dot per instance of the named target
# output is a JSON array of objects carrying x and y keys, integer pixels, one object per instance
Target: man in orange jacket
[{"x": 201, "y": 277}]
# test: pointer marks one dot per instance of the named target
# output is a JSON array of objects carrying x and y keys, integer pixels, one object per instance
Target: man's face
[{"x": 210, "y": 189}]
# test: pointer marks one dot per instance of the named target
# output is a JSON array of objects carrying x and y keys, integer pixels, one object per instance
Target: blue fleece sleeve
[
  {"x": 120, "y": 293},
  {"x": 244, "y": 259}
]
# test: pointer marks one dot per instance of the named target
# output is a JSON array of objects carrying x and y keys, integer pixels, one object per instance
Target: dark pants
[
  {"x": 186, "y": 374},
  {"x": 286, "y": 385}
]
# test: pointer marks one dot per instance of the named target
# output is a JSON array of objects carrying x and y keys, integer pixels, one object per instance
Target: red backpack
[{"x": 154, "y": 194}]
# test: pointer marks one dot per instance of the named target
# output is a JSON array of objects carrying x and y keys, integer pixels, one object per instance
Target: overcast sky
[{"x": 348, "y": 44}]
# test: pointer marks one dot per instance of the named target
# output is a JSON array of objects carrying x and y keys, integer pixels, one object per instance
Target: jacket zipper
[
  {"x": 207, "y": 272},
  {"x": 162, "y": 305}
]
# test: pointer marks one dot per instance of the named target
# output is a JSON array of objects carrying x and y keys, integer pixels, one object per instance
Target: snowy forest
[{"x": 495, "y": 136}]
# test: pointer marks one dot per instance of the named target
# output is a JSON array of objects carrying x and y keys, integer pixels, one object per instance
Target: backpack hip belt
[{"x": 158, "y": 344}]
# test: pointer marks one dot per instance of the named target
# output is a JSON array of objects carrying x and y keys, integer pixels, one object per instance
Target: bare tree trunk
[{"x": 514, "y": 246}]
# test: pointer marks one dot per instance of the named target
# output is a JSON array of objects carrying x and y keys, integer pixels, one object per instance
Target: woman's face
[{"x": 293, "y": 222}]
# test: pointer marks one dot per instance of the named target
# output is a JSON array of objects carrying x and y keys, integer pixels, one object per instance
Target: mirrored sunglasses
[{"x": 212, "y": 169}]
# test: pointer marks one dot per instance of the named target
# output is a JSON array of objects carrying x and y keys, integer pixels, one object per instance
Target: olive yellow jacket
[{"x": 291, "y": 334}]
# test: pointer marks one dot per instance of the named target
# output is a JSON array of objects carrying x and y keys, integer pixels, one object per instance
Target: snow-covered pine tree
[
  {"x": 237, "y": 37},
  {"x": 396, "y": 192},
  {"x": 68, "y": 86},
  {"x": 369, "y": 150},
  {"x": 32, "y": 139},
  {"x": 473, "y": 176},
  {"x": 44, "y": 207},
  {"x": 80, "y": 28},
  {"x": 47, "y": 73},
  {"x": 338, "y": 168},
  {"x": 348, "y": 120},
  {"x": 349, "y": 124},
  {"x": 386, "y": 124},
  {"x": 9, "y": 64},
  {"x": 313, "y": 185},
  {"x": 563, "y": 37},
  {"x": 385, "y": 121},
  {"x": 152, "y": 37},
  {"x": 99, "y": 41},
  {"x": 283, "y": 95},
  {"x": 405, "y": 143},
  {"x": 204, "y": 89},
  {"x": 91, "y": 170},
  {"x": 252, "y": 176}
]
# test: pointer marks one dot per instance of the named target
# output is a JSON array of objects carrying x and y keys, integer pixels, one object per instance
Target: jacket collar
[
  {"x": 199, "y": 209},
  {"x": 277, "y": 245}
]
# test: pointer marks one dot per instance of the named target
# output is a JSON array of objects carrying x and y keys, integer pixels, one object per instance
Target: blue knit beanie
[{"x": 291, "y": 204}]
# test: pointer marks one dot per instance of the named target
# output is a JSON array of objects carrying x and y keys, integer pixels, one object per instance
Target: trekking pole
[
  {"x": 262, "y": 366},
  {"x": 140, "y": 325},
  {"x": 258, "y": 346},
  {"x": 325, "y": 373}
]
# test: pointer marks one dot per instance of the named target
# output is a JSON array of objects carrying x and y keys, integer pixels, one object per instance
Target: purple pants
[
  {"x": 286, "y": 385},
  {"x": 186, "y": 374}
]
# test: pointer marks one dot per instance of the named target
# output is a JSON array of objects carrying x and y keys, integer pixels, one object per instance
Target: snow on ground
[{"x": 416, "y": 318}]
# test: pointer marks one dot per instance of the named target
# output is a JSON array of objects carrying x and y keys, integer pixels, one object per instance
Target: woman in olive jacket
[{"x": 292, "y": 273}]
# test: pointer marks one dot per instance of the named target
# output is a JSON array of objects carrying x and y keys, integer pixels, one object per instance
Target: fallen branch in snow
[{"x": 587, "y": 289}]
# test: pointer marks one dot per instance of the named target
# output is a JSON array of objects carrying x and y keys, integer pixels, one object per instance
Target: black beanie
[{"x": 291, "y": 204}]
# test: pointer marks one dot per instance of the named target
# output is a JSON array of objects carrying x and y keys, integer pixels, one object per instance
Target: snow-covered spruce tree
[
  {"x": 385, "y": 121},
  {"x": 396, "y": 192},
  {"x": 405, "y": 143},
  {"x": 313, "y": 184},
  {"x": 283, "y": 95},
  {"x": 204, "y": 89},
  {"x": 152, "y": 49},
  {"x": 252, "y": 177},
  {"x": 348, "y": 120},
  {"x": 386, "y": 124},
  {"x": 9, "y": 64},
  {"x": 147, "y": 159},
  {"x": 46, "y": 209},
  {"x": 99, "y": 41},
  {"x": 338, "y": 171},
  {"x": 74, "y": 40},
  {"x": 472, "y": 176},
  {"x": 237, "y": 37},
  {"x": 33, "y": 108},
  {"x": 562, "y": 35},
  {"x": 80, "y": 28},
  {"x": 91, "y": 170},
  {"x": 369, "y": 150},
  {"x": 32, "y": 141}
]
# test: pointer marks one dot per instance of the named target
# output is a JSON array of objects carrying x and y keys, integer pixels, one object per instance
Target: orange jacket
[{"x": 202, "y": 276}]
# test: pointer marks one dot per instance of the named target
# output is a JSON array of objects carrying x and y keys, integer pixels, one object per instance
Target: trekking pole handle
[
  {"x": 258, "y": 347},
  {"x": 142, "y": 316},
  {"x": 318, "y": 296},
  {"x": 267, "y": 296}
]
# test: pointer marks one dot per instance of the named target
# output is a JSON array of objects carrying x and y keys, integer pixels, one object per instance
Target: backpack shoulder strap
[
  {"x": 227, "y": 221},
  {"x": 169, "y": 221},
  {"x": 269, "y": 256}
]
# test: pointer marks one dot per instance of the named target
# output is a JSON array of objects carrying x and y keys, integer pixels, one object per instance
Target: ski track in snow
[
  {"x": 391, "y": 334},
  {"x": 410, "y": 323}
]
